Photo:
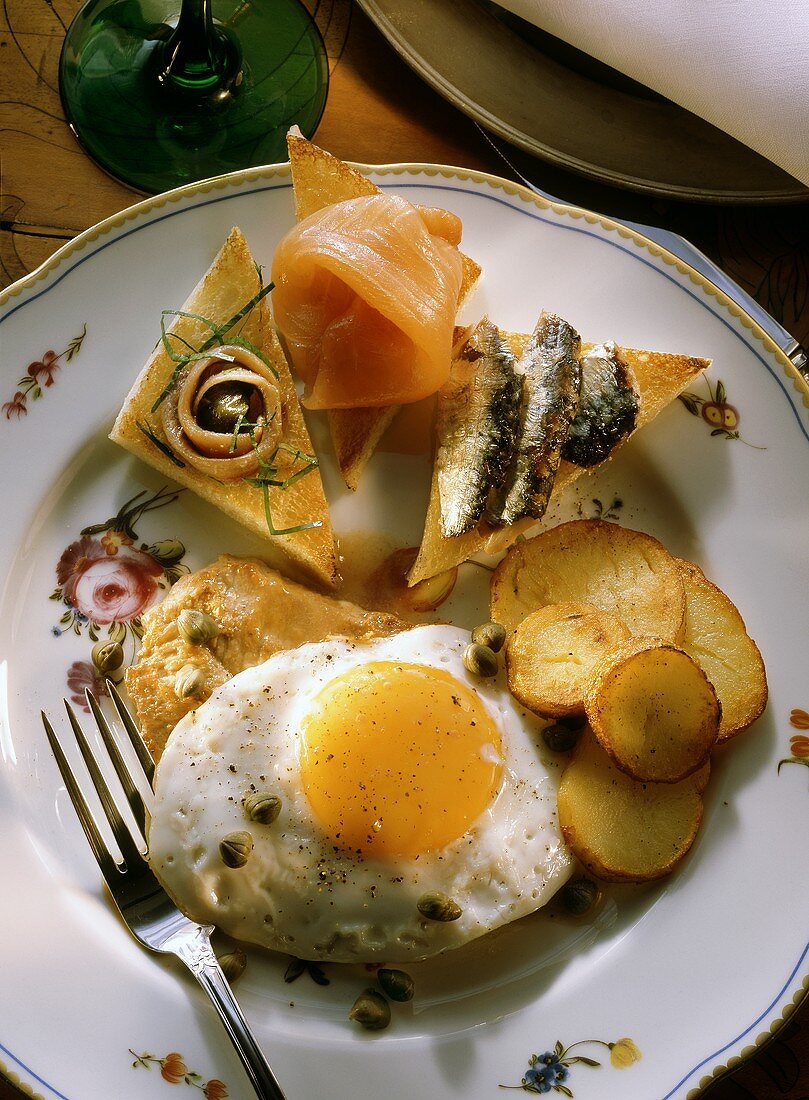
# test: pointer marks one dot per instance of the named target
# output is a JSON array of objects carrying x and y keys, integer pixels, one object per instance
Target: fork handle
[{"x": 199, "y": 957}]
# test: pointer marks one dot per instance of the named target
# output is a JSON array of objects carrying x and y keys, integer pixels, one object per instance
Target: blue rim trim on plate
[{"x": 701, "y": 298}]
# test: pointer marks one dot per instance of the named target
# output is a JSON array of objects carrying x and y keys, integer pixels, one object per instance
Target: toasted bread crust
[
  {"x": 660, "y": 377},
  {"x": 320, "y": 179},
  {"x": 230, "y": 282}
]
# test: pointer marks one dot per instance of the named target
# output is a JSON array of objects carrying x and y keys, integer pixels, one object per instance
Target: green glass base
[{"x": 155, "y": 125}]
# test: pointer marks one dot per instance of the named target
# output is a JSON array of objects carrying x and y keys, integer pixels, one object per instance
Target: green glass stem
[
  {"x": 161, "y": 94},
  {"x": 199, "y": 57}
]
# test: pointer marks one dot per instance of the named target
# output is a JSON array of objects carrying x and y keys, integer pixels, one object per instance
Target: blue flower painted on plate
[{"x": 548, "y": 1072}]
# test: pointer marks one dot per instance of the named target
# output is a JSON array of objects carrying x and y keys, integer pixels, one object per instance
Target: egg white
[{"x": 297, "y": 892}]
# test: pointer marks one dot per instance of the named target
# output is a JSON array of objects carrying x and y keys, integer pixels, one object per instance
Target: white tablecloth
[{"x": 742, "y": 65}]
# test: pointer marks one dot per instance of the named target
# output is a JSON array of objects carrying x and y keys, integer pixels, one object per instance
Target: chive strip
[
  {"x": 265, "y": 480},
  {"x": 218, "y": 333},
  {"x": 243, "y": 342},
  {"x": 286, "y": 530},
  {"x": 161, "y": 446},
  {"x": 298, "y": 475},
  {"x": 265, "y": 290},
  {"x": 192, "y": 316},
  {"x": 296, "y": 452},
  {"x": 249, "y": 426}
]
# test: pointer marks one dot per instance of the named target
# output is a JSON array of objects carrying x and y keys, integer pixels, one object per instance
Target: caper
[
  {"x": 262, "y": 807},
  {"x": 398, "y": 985},
  {"x": 561, "y": 737},
  {"x": 492, "y": 635},
  {"x": 371, "y": 1011},
  {"x": 294, "y": 970},
  {"x": 316, "y": 974},
  {"x": 480, "y": 660},
  {"x": 579, "y": 896},
  {"x": 235, "y": 849},
  {"x": 233, "y": 963},
  {"x": 437, "y": 906},
  {"x": 107, "y": 657},
  {"x": 222, "y": 406},
  {"x": 196, "y": 627},
  {"x": 189, "y": 681}
]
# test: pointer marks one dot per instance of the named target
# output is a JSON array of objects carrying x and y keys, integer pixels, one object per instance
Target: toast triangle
[
  {"x": 320, "y": 179},
  {"x": 660, "y": 378},
  {"x": 229, "y": 284}
]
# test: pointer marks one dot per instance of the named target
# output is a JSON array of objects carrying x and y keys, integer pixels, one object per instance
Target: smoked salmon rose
[{"x": 366, "y": 292}]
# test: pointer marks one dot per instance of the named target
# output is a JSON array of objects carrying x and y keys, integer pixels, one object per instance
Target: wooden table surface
[{"x": 378, "y": 111}]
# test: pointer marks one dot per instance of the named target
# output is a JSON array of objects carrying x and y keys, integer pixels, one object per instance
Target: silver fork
[{"x": 151, "y": 916}]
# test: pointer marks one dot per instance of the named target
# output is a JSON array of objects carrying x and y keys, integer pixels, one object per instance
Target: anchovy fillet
[
  {"x": 608, "y": 407},
  {"x": 551, "y": 382},
  {"x": 478, "y": 422}
]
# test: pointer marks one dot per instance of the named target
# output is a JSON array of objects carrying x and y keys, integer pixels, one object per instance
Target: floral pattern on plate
[
  {"x": 40, "y": 375},
  {"x": 550, "y": 1071},
  {"x": 106, "y": 580},
  {"x": 174, "y": 1070},
  {"x": 721, "y": 417},
  {"x": 799, "y": 744}
]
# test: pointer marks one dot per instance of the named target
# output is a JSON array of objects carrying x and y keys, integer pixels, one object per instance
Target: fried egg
[{"x": 400, "y": 775}]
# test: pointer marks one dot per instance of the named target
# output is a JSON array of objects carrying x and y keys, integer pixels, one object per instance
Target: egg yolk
[{"x": 398, "y": 759}]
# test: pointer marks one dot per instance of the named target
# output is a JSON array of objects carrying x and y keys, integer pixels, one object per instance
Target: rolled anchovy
[
  {"x": 551, "y": 382},
  {"x": 478, "y": 422},
  {"x": 608, "y": 407}
]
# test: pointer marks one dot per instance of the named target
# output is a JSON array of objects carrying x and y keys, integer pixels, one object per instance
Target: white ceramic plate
[{"x": 695, "y": 971}]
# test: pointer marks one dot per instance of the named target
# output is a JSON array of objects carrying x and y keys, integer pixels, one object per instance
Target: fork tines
[{"x": 130, "y": 848}]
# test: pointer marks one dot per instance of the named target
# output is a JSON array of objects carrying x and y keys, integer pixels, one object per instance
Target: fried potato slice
[
  {"x": 716, "y": 637},
  {"x": 653, "y": 710},
  {"x": 551, "y": 655},
  {"x": 620, "y": 829},
  {"x": 624, "y": 572}
]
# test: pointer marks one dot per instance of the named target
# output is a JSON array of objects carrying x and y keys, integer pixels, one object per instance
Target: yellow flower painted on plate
[
  {"x": 551, "y": 1071},
  {"x": 624, "y": 1053}
]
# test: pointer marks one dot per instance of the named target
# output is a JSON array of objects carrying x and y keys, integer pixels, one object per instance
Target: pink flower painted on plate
[
  {"x": 16, "y": 407},
  {"x": 39, "y": 375},
  {"x": 43, "y": 370},
  {"x": 108, "y": 587},
  {"x": 83, "y": 675},
  {"x": 106, "y": 578}
]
